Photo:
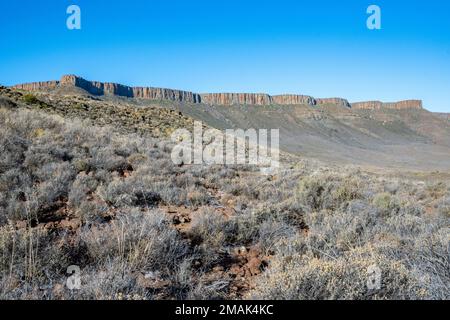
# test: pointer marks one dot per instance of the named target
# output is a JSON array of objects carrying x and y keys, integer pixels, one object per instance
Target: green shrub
[
  {"x": 30, "y": 99},
  {"x": 328, "y": 191},
  {"x": 387, "y": 203}
]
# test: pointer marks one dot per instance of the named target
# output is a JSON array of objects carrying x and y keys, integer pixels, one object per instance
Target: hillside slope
[{"x": 414, "y": 139}]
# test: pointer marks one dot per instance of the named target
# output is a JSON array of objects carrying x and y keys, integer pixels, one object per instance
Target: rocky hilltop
[{"x": 227, "y": 99}]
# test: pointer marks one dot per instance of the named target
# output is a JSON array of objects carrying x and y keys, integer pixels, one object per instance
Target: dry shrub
[
  {"x": 138, "y": 240},
  {"x": 309, "y": 278},
  {"x": 328, "y": 191},
  {"x": 209, "y": 234}
]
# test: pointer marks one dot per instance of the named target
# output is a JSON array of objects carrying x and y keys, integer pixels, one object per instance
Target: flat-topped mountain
[{"x": 259, "y": 99}]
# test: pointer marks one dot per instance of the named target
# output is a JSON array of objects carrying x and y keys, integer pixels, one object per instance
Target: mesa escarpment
[
  {"x": 226, "y": 99},
  {"x": 336, "y": 101},
  {"x": 236, "y": 98},
  {"x": 107, "y": 88},
  {"x": 290, "y": 99},
  {"x": 378, "y": 105},
  {"x": 36, "y": 86},
  {"x": 258, "y": 99}
]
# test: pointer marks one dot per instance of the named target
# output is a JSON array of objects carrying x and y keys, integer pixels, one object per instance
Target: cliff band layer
[{"x": 227, "y": 99}]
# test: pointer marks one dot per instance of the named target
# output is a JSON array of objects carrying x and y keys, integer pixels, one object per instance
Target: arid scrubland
[{"x": 73, "y": 192}]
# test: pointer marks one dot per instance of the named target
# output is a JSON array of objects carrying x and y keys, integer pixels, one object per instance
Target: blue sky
[{"x": 320, "y": 48}]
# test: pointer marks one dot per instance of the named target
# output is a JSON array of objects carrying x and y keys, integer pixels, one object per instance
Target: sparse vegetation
[
  {"x": 140, "y": 227},
  {"x": 30, "y": 99}
]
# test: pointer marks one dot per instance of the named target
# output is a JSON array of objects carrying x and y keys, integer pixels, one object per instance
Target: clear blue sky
[{"x": 320, "y": 48}]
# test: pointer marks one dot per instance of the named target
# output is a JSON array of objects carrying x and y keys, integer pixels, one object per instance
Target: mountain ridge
[{"x": 107, "y": 88}]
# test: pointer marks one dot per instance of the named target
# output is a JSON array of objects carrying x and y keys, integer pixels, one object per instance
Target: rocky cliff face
[
  {"x": 227, "y": 99},
  {"x": 97, "y": 88},
  {"x": 255, "y": 99},
  {"x": 405, "y": 104},
  {"x": 166, "y": 94},
  {"x": 378, "y": 105},
  {"x": 289, "y": 99},
  {"x": 106, "y": 88},
  {"x": 236, "y": 98},
  {"x": 35, "y": 86},
  {"x": 337, "y": 101},
  {"x": 369, "y": 105}
]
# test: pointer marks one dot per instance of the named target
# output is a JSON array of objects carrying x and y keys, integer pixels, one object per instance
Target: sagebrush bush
[
  {"x": 310, "y": 278},
  {"x": 7, "y": 103},
  {"x": 325, "y": 191},
  {"x": 271, "y": 231},
  {"x": 387, "y": 203},
  {"x": 444, "y": 206},
  {"x": 208, "y": 232},
  {"x": 27, "y": 256},
  {"x": 139, "y": 240}
]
